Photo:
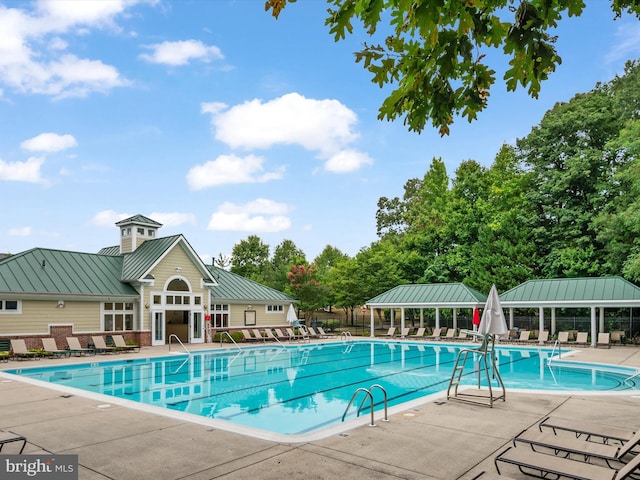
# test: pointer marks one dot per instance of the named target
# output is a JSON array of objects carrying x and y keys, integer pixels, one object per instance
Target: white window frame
[
  {"x": 276, "y": 308},
  {"x": 124, "y": 312},
  {"x": 220, "y": 309},
  {"x": 10, "y": 311}
]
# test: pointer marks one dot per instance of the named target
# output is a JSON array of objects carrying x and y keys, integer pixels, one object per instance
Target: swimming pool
[{"x": 292, "y": 392}]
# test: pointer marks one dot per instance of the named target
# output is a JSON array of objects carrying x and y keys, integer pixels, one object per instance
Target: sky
[{"x": 221, "y": 122}]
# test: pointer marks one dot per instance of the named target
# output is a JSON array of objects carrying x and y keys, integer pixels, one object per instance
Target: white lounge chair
[
  {"x": 119, "y": 342},
  {"x": 20, "y": 351},
  {"x": 76, "y": 349},
  {"x": 101, "y": 346},
  {"x": 50, "y": 347}
]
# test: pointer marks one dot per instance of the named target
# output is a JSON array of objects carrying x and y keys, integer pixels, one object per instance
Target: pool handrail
[
  {"x": 230, "y": 338},
  {"x": 173, "y": 335}
]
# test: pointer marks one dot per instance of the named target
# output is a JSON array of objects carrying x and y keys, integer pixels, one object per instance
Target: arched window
[{"x": 177, "y": 285}]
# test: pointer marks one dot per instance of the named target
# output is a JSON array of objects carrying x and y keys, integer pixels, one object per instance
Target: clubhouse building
[{"x": 147, "y": 288}]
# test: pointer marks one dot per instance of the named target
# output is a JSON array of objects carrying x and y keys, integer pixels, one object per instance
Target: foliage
[
  {"x": 563, "y": 202},
  {"x": 435, "y": 53},
  {"x": 304, "y": 285},
  {"x": 285, "y": 255},
  {"x": 250, "y": 259}
]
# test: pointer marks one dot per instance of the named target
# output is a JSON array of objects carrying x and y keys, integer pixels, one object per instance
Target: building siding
[{"x": 37, "y": 317}]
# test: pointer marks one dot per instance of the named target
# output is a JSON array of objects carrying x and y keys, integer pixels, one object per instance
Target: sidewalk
[{"x": 438, "y": 440}]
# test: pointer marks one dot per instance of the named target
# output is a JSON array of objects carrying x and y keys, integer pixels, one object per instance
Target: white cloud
[
  {"x": 181, "y": 52},
  {"x": 20, "y": 232},
  {"x": 34, "y": 55},
  {"x": 228, "y": 169},
  {"x": 173, "y": 219},
  {"x": 629, "y": 44},
  {"x": 259, "y": 216},
  {"x": 28, "y": 171},
  {"x": 326, "y": 127},
  {"x": 322, "y": 125},
  {"x": 49, "y": 142},
  {"x": 347, "y": 161},
  {"x": 108, "y": 218}
]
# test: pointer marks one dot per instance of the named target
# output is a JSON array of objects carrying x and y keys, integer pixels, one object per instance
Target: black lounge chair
[
  {"x": 567, "y": 445},
  {"x": 543, "y": 465},
  {"x": 587, "y": 430}
]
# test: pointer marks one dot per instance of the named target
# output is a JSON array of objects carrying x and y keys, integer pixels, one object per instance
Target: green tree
[
  {"x": 250, "y": 259},
  {"x": 304, "y": 285},
  {"x": 504, "y": 253},
  {"x": 346, "y": 286},
  {"x": 285, "y": 255},
  {"x": 434, "y": 52},
  {"x": 571, "y": 181},
  {"x": 326, "y": 261}
]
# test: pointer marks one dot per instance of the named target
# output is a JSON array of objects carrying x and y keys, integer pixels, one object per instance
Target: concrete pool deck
[{"x": 437, "y": 440}]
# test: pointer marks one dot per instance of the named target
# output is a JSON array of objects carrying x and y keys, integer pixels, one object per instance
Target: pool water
[{"x": 301, "y": 389}]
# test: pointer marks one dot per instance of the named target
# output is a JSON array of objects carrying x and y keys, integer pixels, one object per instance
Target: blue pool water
[{"x": 301, "y": 389}]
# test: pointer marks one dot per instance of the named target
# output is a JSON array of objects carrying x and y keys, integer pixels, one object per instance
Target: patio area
[{"x": 438, "y": 440}]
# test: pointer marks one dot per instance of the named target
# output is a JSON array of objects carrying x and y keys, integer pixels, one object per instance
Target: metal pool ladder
[
  {"x": 173, "y": 335},
  {"x": 369, "y": 395},
  {"x": 553, "y": 351},
  {"x": 346, "y": 336}
]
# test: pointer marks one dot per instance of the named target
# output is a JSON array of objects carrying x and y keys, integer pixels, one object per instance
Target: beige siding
[
  {"x": 167, "y": 269},
  {"x": 262, "y": 318},
  {"x": 126, "y": 244},
  {"x": 36, "y": 317}
]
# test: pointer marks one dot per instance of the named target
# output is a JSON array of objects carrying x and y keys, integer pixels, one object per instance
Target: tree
[
  {"x": 572, "y": 181},
  {"x": 285, "y": 255},
  {"x": 504, "y": 253},
  {"x": 304, "y": 285},
  {"x": 250, "y": 259},
  {"x": 435, "y": 52},
  {"x": 222, "y": 261}
]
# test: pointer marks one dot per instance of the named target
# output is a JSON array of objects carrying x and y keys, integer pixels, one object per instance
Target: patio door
[
  {"x": 196, "y": 327},
  {"x": 158, "y": 328}
]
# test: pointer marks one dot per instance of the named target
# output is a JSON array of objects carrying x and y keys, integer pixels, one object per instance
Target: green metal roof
[
  {"x": 232, "y": 287},
  {"x": 573, "y": 292},
  {"x": 432, "y": 295},
  {"x": 45, "y": 271},
  {"x": 138, "y": 263},
  {"x": 113, "y": 250},
  {"x": 138, "y": 220}
]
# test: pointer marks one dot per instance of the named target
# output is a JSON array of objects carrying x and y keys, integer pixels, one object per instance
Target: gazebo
[
  {"x": 430, "y": 295},
  {"x": 593, "y": 293}
]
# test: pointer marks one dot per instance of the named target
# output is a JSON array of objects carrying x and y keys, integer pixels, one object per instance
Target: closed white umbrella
[
  {"x": 292, "y": 318},
  {"x": 493, "y": 321}
]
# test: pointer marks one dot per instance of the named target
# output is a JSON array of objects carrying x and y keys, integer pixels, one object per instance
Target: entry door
[
  {"x": 158, "y": 330},
  {"x": 196, "y": 328}
]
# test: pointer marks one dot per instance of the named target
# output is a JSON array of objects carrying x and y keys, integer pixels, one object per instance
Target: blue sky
[{"x": 220, "y": 122}]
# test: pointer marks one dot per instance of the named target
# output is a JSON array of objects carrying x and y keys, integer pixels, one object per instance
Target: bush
[
  {"x": 331, "y": 325},
  {"x": 237, "y": 337}
]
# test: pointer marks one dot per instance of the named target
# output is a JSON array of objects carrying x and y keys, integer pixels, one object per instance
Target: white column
[
  {"x": 421, "y": 317},
  {"x": 511, "y": 318},
  {"x": 371, "y": 327},
  {"x": 594, "y": 333},
  {"x": 402, "y": 319},
  {"x": 553, "y": 321},
  {"x": 437, "y": 317},
  {"x": 540, "y": 322},
  {"x": 455, "y": 318},
  {"x": 601, "y": 329},
  {"x": 393, "y": 317}
]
